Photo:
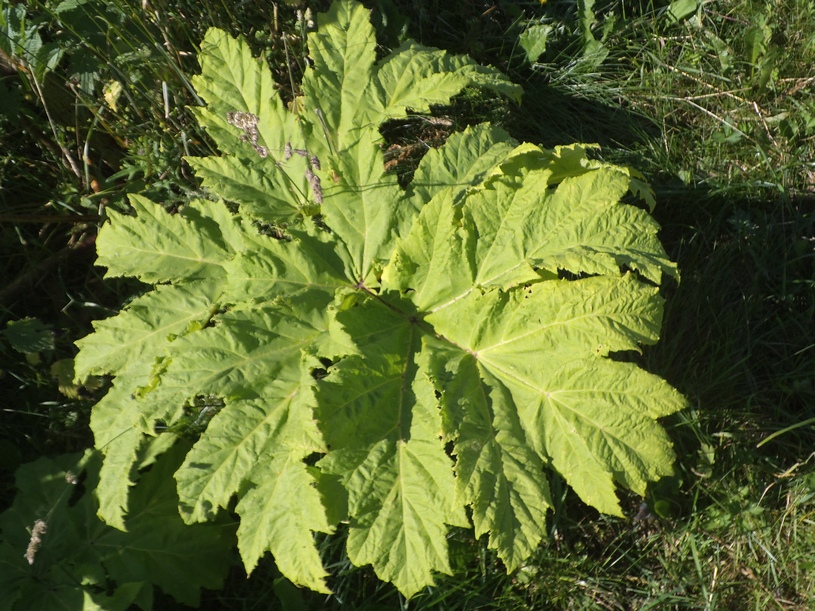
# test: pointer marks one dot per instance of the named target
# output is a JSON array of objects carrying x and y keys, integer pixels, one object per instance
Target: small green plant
[
  {"x": 344, "y": 349},
  {"x": 56, "y": 554}
]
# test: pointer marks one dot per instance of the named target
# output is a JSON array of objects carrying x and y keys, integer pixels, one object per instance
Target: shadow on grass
[{"x": 550, "y": 117}]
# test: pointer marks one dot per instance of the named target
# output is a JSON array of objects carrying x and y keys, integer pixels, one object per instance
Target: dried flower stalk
[{"x": 34, "y": 543}]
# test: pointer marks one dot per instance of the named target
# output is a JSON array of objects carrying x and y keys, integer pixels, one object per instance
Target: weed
[{"x": 713, "y": 101}]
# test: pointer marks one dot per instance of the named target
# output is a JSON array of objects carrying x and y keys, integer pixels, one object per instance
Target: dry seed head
[
  {"x": 247, "y": 122},
  {"x": 316, "y": 187},
  {"x": 242, "y": 120},
  {"x": 37, "y": 532}
]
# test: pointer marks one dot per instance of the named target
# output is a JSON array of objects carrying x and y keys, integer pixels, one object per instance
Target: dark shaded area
[
  {"x": 550, "y": 117},
  {"x": 744, "y": 306}
]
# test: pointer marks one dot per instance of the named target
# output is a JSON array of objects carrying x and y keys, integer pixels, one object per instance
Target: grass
[{"x": 715, "y": 107}]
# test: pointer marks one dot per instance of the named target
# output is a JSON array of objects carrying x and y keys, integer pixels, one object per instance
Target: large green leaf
[
  {"x": 464, "y": 161},
  {"x": 497, "y": 472},
  {"x": 379, "y": 418},
  {"x": 507, "y": 233},
  {"x": 279, "y": 513},
  {"x": 119, "y": 425},
  {"x": 272, "y": 268},
  {"x": 364, "y": 207},
  {"x": 403, "y": 359},
  {"x": 245, "y": 352},
  {"x": 415, "y": 77},
  {"x": 593, "y": 417}
]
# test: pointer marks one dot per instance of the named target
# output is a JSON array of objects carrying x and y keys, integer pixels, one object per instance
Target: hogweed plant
[
  {"x": 402, "y": 360},
  {"x": 56, "y": 554}
]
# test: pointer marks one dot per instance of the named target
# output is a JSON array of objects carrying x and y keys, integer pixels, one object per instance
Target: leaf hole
[
  {"x": 312, "y": 459},
  {"x": 319, "y": 373}
]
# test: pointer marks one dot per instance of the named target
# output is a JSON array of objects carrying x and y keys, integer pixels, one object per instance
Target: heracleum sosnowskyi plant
[
  {"x": 56, "y": 554},
  {"x": 348, "y": 350}
]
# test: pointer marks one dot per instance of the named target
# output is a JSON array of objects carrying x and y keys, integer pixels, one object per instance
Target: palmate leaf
[
  {"x": 378, "y": 415},
  {"x": 404, "y": 360},
  {"x": 593, "y": 417},
  {"x": 497, "y": 472}
]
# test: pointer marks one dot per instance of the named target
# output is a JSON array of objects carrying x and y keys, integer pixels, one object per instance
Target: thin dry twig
[{"x": 65, "y": 152}]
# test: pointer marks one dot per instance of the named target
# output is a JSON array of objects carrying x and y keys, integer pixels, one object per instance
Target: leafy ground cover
[{"x": 712, "y": 100}]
